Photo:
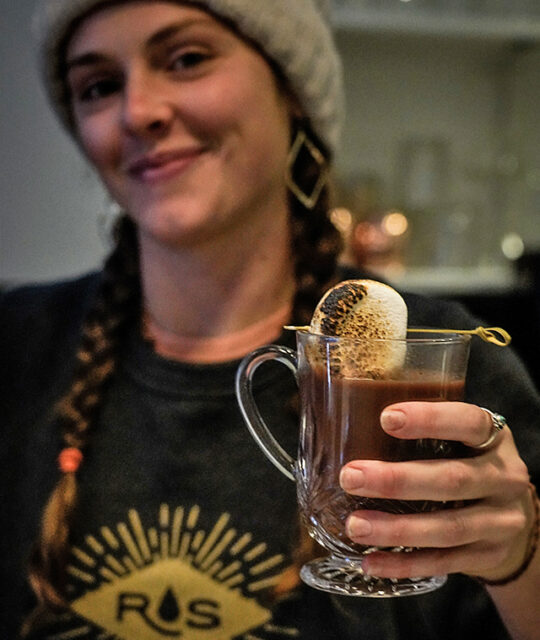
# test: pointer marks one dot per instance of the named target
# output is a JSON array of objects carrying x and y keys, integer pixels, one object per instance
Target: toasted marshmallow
[
  {"x": 361, "y": 309},
  {"x": 366, "y": 311}
]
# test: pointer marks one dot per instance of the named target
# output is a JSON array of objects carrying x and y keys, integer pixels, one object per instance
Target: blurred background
[{"x": 437, "y": 185}]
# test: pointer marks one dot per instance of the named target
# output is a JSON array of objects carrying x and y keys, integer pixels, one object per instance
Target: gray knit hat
[{"x": 294, "y": 33}]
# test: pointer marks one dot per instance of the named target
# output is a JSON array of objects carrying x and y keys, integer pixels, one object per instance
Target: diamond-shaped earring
[{"x": 309, "y": 200}]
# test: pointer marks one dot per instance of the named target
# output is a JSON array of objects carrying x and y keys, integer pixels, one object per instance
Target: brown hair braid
[{"x": 117, "y": 300}]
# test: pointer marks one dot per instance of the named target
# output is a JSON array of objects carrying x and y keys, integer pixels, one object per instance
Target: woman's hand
[{"x": 486, "y": 537}]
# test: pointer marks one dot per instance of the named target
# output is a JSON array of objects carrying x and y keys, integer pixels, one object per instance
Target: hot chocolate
[{"x": 342, "y": 423}]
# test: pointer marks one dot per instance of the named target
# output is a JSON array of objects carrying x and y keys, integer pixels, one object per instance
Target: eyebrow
[
  {"x": 85, "y": 59},
  {"x": 162, "y": 35}
]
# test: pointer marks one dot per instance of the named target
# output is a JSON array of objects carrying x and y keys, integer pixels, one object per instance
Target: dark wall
[{"x": 519, "y": 314}]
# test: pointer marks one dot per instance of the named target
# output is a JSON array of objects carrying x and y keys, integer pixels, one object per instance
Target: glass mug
[{"x": 343, "y": 390}]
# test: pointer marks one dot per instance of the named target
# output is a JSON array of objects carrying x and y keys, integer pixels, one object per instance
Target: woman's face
[{"x": 183, "y": 120}]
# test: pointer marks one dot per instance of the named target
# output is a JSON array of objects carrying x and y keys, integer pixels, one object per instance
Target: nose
[{"x": 146, "y": 110}]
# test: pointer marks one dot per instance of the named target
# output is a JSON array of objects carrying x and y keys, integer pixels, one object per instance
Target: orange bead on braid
[{"x": 69, "y": 459}]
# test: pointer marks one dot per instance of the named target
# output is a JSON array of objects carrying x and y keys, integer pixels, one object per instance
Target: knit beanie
[{"x": 295, "y": 34}]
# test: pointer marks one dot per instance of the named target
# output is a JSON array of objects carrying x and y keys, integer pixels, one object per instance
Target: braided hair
[
  {"x": 315, "y": 246},
  {"x": 117, "y": 302}
]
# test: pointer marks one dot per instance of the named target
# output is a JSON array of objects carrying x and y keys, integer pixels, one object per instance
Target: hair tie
[{"x": 69, "y": 459}]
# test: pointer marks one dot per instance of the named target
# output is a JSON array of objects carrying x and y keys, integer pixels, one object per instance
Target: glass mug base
[{"x": 345, "y": 577}]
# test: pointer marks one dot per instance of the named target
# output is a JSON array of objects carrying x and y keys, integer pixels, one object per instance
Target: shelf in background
[
  {"x": 443, "y": 281},
  {"x": 518, "y": 24}
]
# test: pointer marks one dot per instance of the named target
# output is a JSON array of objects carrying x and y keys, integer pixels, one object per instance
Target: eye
[
  {"x": 186, "y": 60},
  {"x": 97, "y": 90},
  {"x": 92, "y": 87}
]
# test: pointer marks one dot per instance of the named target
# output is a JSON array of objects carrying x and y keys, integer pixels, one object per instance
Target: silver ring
[{"x": 498, "y": 423}]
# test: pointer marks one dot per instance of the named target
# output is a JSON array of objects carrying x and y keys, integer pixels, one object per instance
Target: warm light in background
[
  {"x": 342, "y": 219},
  {"x": 512, "y": 246},
  {"x": 395, "y": 223}
]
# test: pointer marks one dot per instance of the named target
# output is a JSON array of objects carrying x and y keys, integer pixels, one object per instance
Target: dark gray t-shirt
[{"x": 184, "y": 527}]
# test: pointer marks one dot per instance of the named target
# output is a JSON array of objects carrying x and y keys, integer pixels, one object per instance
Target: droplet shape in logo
[{"x": 169, "y": 611}]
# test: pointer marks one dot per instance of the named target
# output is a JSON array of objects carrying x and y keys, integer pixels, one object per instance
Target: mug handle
[{"x": 250, "y": 412}]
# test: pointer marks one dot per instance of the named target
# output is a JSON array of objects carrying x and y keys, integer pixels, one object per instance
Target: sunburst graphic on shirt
[{"x": 172, "y": 580}]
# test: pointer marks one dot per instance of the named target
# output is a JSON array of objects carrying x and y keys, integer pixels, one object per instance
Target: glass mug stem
[{"x": 339, "y": 422}]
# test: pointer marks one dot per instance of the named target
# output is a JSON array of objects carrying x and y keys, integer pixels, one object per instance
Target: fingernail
[
  {"x": 358, "y": 527},
  {"x": 351, "y": 479},
  {"x": 367, "y": 565},
  {"x": 392, "y": 420}
]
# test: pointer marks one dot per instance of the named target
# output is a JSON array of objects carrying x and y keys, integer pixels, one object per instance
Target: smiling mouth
[{"x": 162, "y": 166}]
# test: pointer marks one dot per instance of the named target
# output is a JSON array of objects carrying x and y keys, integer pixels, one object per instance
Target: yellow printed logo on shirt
[{"x": 172, "y": 580}]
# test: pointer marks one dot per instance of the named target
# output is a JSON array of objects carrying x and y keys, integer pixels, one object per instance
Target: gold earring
[{"x": 309, "y": 200}]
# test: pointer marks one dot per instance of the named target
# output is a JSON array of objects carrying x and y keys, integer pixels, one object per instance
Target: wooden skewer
[{"x": 494, "y": 335}]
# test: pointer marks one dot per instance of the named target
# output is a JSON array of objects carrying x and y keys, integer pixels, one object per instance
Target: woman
[{"x": 211, "y": 124}]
